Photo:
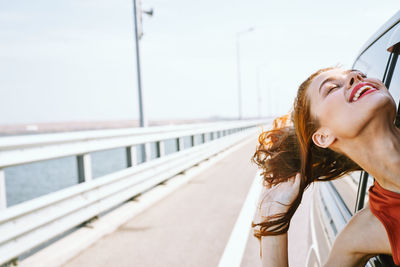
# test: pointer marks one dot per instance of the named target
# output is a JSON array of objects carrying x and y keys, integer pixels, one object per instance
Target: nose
[{"x": 354, "y": 77}]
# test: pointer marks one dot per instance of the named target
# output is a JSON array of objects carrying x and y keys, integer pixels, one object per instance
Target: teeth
[{"x": 359, "y": 91}]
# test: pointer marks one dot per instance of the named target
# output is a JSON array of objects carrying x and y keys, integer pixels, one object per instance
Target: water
[{"x": 29, "y": 181}]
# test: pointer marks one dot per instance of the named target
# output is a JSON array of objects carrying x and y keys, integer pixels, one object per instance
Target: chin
[
  {"x": 380, "y": 107},
  {"x": 384, "y": 104}
]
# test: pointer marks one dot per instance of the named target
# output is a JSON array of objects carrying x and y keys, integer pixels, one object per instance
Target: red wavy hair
[{"x": 288, "y": 149}]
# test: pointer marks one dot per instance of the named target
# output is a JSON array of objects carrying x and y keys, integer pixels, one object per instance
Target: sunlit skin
[{"x": 363, "y": 130}]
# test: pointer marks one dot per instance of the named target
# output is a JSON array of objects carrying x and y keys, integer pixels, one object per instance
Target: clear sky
[{"x": 74, "y": 60}]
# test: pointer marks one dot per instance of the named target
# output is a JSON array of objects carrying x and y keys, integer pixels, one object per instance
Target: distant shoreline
[{"x": 71, "y": 126}]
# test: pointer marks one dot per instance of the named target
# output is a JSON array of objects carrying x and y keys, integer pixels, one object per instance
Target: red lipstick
[{"x": 358, "y": 86}]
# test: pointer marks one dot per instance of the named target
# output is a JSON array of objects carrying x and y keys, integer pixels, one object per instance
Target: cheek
[{"x": 335, "y": 114}]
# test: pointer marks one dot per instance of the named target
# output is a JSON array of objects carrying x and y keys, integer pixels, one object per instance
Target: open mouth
[{"x": 362, "y": 89}]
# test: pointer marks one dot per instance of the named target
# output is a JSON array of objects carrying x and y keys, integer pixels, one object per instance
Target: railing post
[
  {"x": 146, "y": 152},
  {"x": 193, "y": 140},
  {"x": 131, "y": 156},
  {"x": 3, "y": 198},
  {"x": 181, "y": 144},
  {"x": 212, "y": 135},
  {"x": 203, "y": 138},
  {"x": 160, "y": 149},
  {"x": 84, "y": 168}
]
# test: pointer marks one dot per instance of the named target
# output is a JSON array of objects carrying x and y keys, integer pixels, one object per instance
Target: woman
[{"x": 342, "y": 122}]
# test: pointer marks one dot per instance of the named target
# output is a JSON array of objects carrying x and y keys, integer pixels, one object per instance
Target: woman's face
[{"x": 345, "y": 101}]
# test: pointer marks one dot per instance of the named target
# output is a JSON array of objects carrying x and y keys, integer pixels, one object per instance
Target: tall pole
[
  {"x": 143, "y": 119},
  {"x": 146, "y": 152},
  {"x": 239, "y": 81}
]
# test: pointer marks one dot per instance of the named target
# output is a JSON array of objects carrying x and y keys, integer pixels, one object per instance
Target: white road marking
[{"x": 236, "y": 245}]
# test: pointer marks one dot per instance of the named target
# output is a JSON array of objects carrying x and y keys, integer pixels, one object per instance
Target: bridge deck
[{"x": 191, "y": 226}]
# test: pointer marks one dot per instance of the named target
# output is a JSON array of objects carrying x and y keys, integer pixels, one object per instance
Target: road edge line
[{"x": 236, "y": 245}]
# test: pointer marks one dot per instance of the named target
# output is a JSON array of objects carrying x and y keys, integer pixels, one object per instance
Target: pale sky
[{"x": 74, "y": 60}]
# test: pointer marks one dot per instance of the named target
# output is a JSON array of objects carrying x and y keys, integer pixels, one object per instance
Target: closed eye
[{"x": 331, "y": 89}]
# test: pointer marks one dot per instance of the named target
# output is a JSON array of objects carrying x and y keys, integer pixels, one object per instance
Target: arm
[
  {"x": 363, "y": 237},
  {"x": 274, "y": 249}
]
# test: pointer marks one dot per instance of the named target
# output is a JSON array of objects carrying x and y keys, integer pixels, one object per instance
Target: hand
[{"x": 276, "y": 199}]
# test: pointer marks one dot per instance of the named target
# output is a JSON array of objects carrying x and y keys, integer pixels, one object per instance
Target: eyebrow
[{"x": 334, "y": 78}]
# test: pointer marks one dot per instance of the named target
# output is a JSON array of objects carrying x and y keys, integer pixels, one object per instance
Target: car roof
[{"x": 381, "y": 31}]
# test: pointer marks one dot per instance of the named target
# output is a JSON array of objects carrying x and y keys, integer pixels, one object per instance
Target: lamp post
[
  {"x": 137, "y": 18},
  {"x": 143, "y": 120},
  {"x": 238, "y": 68}
]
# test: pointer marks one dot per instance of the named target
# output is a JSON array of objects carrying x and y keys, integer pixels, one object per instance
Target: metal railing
[{"x": 32, "y": 223}]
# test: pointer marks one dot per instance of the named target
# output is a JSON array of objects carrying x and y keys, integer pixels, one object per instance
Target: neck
[{"x": 377, "y": 151}]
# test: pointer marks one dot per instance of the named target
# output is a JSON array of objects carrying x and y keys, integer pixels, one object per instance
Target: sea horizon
[{"x": 72, "y": 126}]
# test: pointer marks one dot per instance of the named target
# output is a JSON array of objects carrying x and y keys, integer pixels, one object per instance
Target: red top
[{"x": 385, "y": 205}]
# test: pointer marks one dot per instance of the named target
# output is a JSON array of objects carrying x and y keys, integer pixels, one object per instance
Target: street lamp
[
  {"x": 238, "y": 68},
  {"x": 137, "y": 19}
]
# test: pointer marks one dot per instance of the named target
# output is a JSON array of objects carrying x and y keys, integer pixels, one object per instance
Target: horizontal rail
[
  {"x": 11, "y": 142},
  {"x": 19, "y": 150}
]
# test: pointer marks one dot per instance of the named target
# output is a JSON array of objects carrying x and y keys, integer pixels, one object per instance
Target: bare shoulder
[
  {"x": 367, "y": 233},
  {"x": 364, "y": 236}
]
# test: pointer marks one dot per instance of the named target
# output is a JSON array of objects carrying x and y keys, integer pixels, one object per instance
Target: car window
[{"x": 374, "y": 60}]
